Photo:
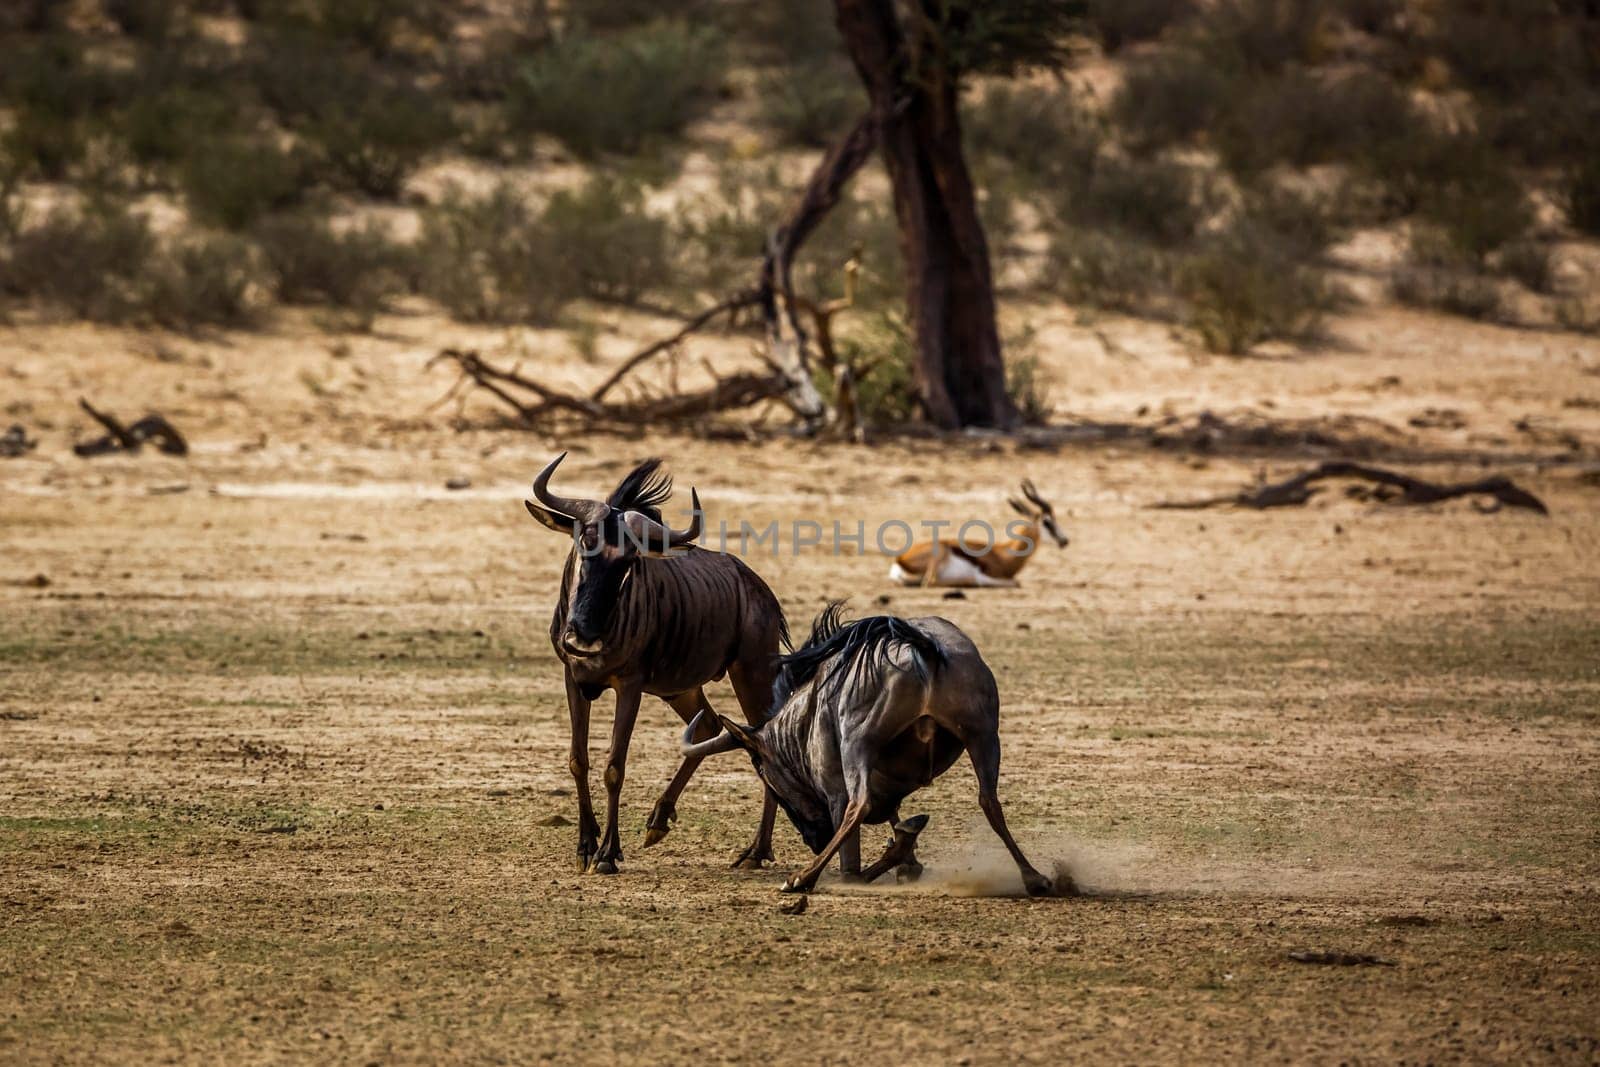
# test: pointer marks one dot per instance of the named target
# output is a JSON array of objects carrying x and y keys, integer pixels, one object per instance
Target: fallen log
[
  {"x": 119, "y": 438},
  {"x": 1393, "y": 488}
]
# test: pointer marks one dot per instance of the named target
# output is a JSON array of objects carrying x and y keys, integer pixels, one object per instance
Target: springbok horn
[
  {"x": 1033, "y": 494},
  {"x": 1020, "y": 506},
  {"x": 726, "y": 741},
  {"x": 570, "y": 507},
  {"x": 658, "y": 537}
]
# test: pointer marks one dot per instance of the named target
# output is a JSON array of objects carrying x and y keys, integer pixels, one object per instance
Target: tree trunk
[{"x": 959, "y": 371}]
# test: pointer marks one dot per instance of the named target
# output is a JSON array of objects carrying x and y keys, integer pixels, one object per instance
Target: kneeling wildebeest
[
  {"x": 864, "y": 714},
  {"x": 642, "y": 610}
]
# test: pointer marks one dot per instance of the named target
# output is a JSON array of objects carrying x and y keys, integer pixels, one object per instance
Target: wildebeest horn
[
  {"x": 1033, "y": 494},
  {"x": 726, "y": 741},
  {"x": 656, "y": 536},
  {"x": 572, "y": 508}
]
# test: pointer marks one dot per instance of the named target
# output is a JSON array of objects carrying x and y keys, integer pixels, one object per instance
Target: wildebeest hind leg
[
  {"x": 753, "y": 687},
  {"x": 902, "y": 851},
  {"x": 665, "y": 813},
  {"x": 985, "y": 755}
]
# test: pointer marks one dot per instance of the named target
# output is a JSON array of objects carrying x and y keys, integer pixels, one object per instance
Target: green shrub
[
  {"x": 1028, "y": 388},
  {"x": 1262, "y": 36},
  {"x": 161, "y": 128},
  {"x": 1109, "y": 272},
  {"x": 618, "y": 93},
  {"x": 1531, "y": 263},
  {"x": 1302, "y": 119},
  {"x": 54, "y": 94},
  {"x": 1580, "y": 194},
  {"x": 1244, "y": 288},
  {"x": 614, "y": 250},
  {"x": 358, "y": 269},
  {"x": 1372, "y": 16},
  {"x": 487, "y": 260},
  {"x": 1046, "y": 135},
  {"x": 207, "y": 281},
  {"x": 1170, "y": 98},
  {"x": 149, "y": 20},
  {"x": 369, "y": 127},
  {"x": 880, "y": 351},
  {"x": 1302, "y": 223},
  {"x": 1121, "y": 22},
  {"x": 1158, "y": 200},
  {"x": 90, "y": 263},
  {"x": 1456, "y": 291},
  {"x": 812, "y": 103},
  {"x": 1479, "y": 210},
  {"x": 232, "y": 181}
]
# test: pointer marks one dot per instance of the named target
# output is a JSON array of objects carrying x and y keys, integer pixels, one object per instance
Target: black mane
[
  {"x": 854, "y": 643},
  {"x": 644, "y": 490}
]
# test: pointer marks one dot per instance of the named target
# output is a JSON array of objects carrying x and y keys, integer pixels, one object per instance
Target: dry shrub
[
  {"x": 1580, "y": 194},
  {"x": 208, "y": 280},
  {"x": 1169, "y": 98},
  {"x": 1109, "y": 272},
  {"x": 1530, "y": 262}
]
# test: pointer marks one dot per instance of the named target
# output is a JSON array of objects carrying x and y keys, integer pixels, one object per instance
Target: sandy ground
[{"x": 283, "y": 769}]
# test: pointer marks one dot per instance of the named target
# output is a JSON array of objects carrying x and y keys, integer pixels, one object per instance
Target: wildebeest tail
[{"x": 855, "y": 645}]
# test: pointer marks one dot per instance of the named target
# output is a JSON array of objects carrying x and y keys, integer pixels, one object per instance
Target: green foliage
[
  {"x": 1244, "y": 287},
  {"x": 621, "y": 93},
  {"x": 879, "y": 349},
  {"x": 1158, "y": 200},
  {"x": 357, "y": 269},
  {"x": 232, "y": 181},
  {"x": 1262, "y": 36},
  {"x": 1122, "y": 22},
  {"x": 1303, "y": 119},
  {"x": 1580, "y": 194},
  {"x": 368, "y": 126},
  {"x": 614, "y": 250},
  {"x": 951, "y": 38},
  {"x": 1046, "y": 136},
  {"x": 1531, "y": 263},
  {"x": 1110, "y": 272},
  {"x": 207, "y": 281},
  {"x": 1169, "y": 98},
  {"x": 811, "y": 104},
  {"x": 1302, "y": 223},
  {"x": 484, "y": 260},
  {"x": 149, "y": 20},
  {"x": 1026, "y": 384},
  {"x": 1464, "y": 292},
  {"x": 89, "y": 263}
]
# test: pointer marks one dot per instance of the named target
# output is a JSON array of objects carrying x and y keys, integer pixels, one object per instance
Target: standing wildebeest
[
  {"x": 866, "y": 713},
  {"x": 642, "y": 610}
]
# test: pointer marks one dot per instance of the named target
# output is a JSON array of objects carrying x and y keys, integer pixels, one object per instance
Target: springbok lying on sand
[{"x": 953, "y": 561}]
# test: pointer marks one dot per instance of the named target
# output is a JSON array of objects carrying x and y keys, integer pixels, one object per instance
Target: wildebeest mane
[
  {"x": 855, "y": 644},
  {"x": 644, "y": 490}
]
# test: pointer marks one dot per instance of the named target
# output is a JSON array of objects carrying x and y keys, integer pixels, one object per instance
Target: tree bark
[{"x": 959, "y": 371}]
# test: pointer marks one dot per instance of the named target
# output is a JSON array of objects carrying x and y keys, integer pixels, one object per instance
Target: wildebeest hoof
[
  {"x": 1038, "y": 885},
  {"x": 908, "y": 872},
  {"x": 659, "y": 824},
  {"x": 794, "y": 885},
  {"x": 752, "y": 863},
  {"x": 911, "y": 827},
  {"x": 603, "y": 867}
]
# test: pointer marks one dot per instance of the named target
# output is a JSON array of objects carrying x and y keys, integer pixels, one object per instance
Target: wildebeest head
[
  {"x": 608, "y": 538},
  {"x": 1038, "y": 509},
  {"x": 787, "y": 779}
]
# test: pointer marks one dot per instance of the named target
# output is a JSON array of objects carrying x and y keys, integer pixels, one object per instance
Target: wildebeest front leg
[
  {"x": 610, "y": 854},
  {"x": 665, "y": 813},
  {"x": 806, "y": 880},
  {"x": 753, "y": 687},
  {"x": 578, "y": 762},
  {"x": 985, "y": 755}
]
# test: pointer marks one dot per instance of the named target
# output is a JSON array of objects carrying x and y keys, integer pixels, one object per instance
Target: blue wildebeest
[
  {"x": 864, "y": 714},
  {"x": 642, "y": 610}
]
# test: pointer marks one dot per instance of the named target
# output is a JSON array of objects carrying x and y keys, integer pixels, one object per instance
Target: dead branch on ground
[
  {"x": 1393, "y": 488},
  {"x": 120, "y": 438},
  {"x": 787, "y": 358}
]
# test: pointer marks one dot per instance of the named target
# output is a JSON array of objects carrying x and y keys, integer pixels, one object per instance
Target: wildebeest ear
[
  {"x": 741, "y": 733},
  {"x": 549, "y": 519}
]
